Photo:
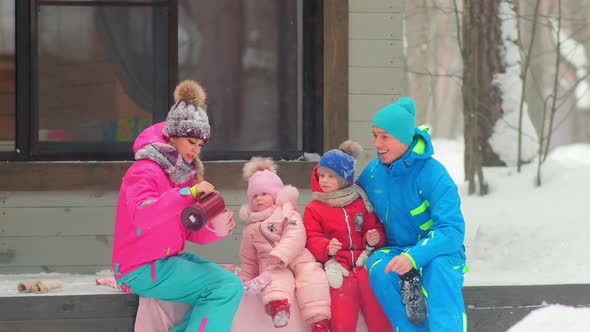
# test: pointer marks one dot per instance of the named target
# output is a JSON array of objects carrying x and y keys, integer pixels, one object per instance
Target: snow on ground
[{"x": 74, "y": 284}]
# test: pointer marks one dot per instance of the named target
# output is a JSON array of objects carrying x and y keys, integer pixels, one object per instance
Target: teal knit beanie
[{"x": 398, "y": 119}]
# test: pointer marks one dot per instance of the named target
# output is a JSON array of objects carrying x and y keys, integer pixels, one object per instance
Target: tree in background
[{"x": 500, "y": 77}]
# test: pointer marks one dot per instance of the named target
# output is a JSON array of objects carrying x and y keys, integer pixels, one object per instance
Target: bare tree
[
  {"x": 525, "y": 71},
  {"x": 481, "y": 100},
  {"x": 476, "y": 65}
]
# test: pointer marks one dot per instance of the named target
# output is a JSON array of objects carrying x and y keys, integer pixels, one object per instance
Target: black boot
[{"x": 412, "y": 296}]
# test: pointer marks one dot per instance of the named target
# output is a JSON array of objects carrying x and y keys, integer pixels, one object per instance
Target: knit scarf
[
  {"x": 178, "y": 170},
  {"x": 252, "y": 216},
  {"x": 343, "y": 197}
]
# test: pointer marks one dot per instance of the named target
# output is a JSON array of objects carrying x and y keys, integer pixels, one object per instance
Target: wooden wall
[
  {"x": 71, "y": 231},
  {"x": 60, "y": 216},
  {"x": 376, "y": 76}
]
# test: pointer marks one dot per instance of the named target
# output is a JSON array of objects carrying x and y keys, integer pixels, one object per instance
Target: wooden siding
[
  {"x": 375, "y": 6},
  {"x": 376, "y": 80},
  {"x": 375, "y": 26},
  {"x": 59, "y": 216},
  {"x": 376, "y": 76},
  {"x": 364, "y": 107},
  {"x": 375, "y": 53},
  {"x": 65, "y": 231}
]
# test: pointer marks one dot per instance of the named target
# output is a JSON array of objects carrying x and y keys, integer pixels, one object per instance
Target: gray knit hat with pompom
[{"x": 186, "y": 117}]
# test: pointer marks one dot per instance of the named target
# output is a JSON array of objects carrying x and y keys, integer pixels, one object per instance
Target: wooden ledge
[{"x": 99, "y": 175}]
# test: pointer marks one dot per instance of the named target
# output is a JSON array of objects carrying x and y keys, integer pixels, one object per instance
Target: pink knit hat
[{"x": 261, "y": 174}]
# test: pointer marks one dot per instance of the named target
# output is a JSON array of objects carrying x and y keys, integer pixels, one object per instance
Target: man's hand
[
  {"x": 399, "y": 264},
  {"x": 334, "y": 246},
  {"x": 373, "y": 237}
]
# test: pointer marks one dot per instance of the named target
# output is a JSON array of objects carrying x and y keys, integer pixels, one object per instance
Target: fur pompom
[
  {"x": 190, "y": 92},
  {"x": 258, "y": 164},
  {"x": 352, "y": 148},
  {"x": 288, "y": 194}
]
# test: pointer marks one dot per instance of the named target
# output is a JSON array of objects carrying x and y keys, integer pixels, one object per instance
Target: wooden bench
[{"x": 489, "y": 309}]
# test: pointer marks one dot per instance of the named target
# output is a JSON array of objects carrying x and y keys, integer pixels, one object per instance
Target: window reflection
[
  {"x": 7, "y": 76},
  {"x": 97, "y": 73},
  {"x": 246, "y": 54}
]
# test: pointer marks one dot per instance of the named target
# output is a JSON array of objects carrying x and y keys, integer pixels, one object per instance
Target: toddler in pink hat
[{"x": 274, "y": 241}]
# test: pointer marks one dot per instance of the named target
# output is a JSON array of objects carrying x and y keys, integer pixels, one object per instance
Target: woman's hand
[
  {"x": 202, "y": 189},
  {"x": 231, "y": 223}
]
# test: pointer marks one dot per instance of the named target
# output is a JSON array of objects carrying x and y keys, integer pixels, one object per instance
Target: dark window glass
[
  {"x": 101, "y": 76},
  {"x": 7, "y": 76},
  {"x": 247, "y": 55}
]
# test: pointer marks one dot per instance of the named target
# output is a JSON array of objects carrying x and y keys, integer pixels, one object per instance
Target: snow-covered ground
[
  {"x": 73, "y": 284},
  {"x": 519, "y": 234}
]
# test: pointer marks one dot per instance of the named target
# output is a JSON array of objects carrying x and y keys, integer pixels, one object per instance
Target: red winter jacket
[{"x": 348, "y": 224}]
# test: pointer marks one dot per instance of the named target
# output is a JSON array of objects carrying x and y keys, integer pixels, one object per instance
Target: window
[
  {"x": 101, "y": 76},
  {"x": 247, "y": 55},
  {"x": 7, "y": 76},
  {"x": 93, "y": 74}
]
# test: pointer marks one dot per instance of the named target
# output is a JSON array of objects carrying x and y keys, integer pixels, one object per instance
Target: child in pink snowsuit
[
  {"x": 274, "y": 241},
  {"x": 149, "y": 236}
]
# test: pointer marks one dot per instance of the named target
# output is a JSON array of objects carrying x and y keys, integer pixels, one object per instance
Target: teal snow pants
[{"x": 214, "y": 292}]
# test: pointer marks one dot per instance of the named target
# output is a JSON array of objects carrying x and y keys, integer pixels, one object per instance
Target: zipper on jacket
[
  {"x": 349, "y": 237},
  {"x": 272, "y": 244}
]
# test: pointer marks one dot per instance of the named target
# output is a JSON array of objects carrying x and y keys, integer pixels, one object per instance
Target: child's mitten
[
  {"x": 254, "y": 286},
  {"x": 50, "y": 286},
  {"x": 335, "y": 273},
  {"x": 364, "y": 255},
  {"x": 363, "y": 258},
  {"x": 40, "y": 286}
]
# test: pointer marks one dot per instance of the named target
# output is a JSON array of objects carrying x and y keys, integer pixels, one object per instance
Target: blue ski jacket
[{"x": 417, "y": 202}]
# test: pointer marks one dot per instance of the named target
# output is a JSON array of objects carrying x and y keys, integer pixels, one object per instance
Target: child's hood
[
  {"x": 152, "y": 134},
  {"x": 286, "y": 201},
  {"x": 315, "y": 182}
]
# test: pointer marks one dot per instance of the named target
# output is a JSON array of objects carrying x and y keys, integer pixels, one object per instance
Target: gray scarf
[
  {"x": 343, "y": 197},
  {"x": 171, "y": 162}
]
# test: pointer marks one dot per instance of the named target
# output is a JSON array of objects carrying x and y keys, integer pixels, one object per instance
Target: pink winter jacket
[
  {"x": 279, "y": 231},
  {"x": 147, "y": 223}
]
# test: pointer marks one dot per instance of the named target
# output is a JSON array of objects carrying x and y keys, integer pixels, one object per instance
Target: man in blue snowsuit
[{"x": 419, "y": 205}]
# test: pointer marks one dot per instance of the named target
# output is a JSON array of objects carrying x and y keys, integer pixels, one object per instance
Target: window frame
[
  {"x": 324, "y": 99},
  {"x": 26, "y": 138}
]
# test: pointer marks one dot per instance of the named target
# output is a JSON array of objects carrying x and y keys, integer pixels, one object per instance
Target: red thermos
[{"x": 196, "y": 216}]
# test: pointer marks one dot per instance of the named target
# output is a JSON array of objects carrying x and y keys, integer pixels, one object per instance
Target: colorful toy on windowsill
[{"x": 208, "y": 210}]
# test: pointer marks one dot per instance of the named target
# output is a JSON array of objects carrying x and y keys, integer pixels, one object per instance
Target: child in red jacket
[{"x": 341, "y": 230}]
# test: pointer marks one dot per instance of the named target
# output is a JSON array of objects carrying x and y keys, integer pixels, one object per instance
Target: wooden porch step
[{"x": 489, "y": 308}]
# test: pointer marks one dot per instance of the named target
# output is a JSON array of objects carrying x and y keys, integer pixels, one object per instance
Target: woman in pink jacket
[
  {"x": 274, "y": 241},
  {"x": 149, "y": 237}
]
